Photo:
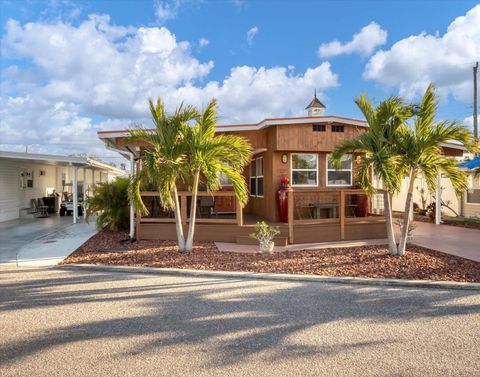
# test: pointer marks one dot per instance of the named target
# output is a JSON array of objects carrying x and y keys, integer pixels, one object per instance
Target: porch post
[
  {"x": 132, "y": 211},
  {"x": 438, "y": 206},
  {"x": 342, "y": 215},
  {"x": 138, "y": 167},
  {"x": 75, "y": 194},
  {"x": 291, "y": 217},
  {"x": 239, "y": 213}
]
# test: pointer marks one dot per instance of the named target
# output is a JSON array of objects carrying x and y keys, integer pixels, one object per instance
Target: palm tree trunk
[
  {"x": 392, "y": 245},
  {"x": 178, "y": 221},
  {"x": 406, "y": 215},
  {"x": 193, "y": 213}
]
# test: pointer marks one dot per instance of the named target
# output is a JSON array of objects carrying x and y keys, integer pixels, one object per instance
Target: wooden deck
[{"x": 236, "y": 227}]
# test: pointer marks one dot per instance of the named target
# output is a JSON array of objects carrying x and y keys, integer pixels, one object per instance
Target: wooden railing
[
  {"x": 220, "y": 207},
  {"x": 326, "y": 206}
]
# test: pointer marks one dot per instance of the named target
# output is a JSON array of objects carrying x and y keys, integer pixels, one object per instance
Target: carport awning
[{"x": 49, "y": 159}]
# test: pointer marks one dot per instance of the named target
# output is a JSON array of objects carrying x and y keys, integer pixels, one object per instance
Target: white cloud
[
  {"x": 412, "y": 63},
  {"x": 97, "y": 75},
  {"x": 203, "y": 42},
  {"x": 364, "y": 42},
  {"x": 468, "y": 121},
  {"x": 251, "y": 34},
  {"x": 166, "y": 9}
]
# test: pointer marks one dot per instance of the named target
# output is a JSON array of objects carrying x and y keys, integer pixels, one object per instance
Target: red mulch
[{"x": 369, "y": 261}]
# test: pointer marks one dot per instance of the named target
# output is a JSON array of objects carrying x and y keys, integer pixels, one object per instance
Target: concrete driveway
[
  {"x": 78, "y": 323},
  {"x": 42, "y": 241},
  {"x": 454, "y": 240}
]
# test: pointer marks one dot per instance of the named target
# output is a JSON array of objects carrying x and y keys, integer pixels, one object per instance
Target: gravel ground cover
[{"x": 369, "y": 261}]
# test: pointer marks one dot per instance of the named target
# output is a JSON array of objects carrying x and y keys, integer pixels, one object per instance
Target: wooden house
[{"x": 325, "y": 204}]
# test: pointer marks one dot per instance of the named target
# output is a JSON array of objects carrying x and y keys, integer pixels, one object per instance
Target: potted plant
[{"x": 264, "y": 234}]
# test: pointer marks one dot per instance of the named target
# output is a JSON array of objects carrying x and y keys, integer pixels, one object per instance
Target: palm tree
[
  {"x": 164, "y": 164},
  {"x": 377, "y": 148},
  {"x": 419, "y": 151},
  {"x": 209, "y": 155},
  {"x": 110, "y": 202}
]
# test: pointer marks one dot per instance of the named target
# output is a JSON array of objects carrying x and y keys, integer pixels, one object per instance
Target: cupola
[{"x": 315, "y": 107}]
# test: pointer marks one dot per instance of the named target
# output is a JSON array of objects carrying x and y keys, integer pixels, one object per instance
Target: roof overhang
[
  {"x": 48, "y": 159},
  {"x": 454, "y": 145},
  {"x": 105, "y": 135}
]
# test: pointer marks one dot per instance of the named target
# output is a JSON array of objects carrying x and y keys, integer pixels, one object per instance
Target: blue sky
[{"x": 71, "y": 68}]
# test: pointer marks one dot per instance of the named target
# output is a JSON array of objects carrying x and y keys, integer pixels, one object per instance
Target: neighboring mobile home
[
  {"x": 470, "y": 204},
  {"x": 421, "y": 195},
  {"x": 325, "y": 203},
  {"x": 27, "y": 176}
]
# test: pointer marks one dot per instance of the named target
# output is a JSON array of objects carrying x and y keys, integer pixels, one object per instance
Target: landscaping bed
[{"x": 368, "y": 261}]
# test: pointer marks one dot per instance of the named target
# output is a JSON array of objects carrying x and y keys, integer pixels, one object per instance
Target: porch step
[{"x": 246, "y": 240}]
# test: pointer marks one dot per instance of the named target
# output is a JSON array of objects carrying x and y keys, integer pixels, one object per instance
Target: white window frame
[
  {"x": 256, "y": 176},
  {"x": 327, "y": 169},
  {"x": 291, "y": 169}
]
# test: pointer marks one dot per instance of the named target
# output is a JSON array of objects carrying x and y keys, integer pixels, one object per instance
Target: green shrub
[{"x": 110, "y": 202}]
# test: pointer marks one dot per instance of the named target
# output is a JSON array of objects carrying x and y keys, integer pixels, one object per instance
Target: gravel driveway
[{"x": 77, "y": 323}]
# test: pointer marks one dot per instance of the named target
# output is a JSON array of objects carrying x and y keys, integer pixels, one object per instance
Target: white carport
[
  {"x": 13, "y": 163},
  {"x": 109, "y": 139}
]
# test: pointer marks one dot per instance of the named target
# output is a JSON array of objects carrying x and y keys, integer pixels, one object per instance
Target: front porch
[{"x": 313, "y": 216}]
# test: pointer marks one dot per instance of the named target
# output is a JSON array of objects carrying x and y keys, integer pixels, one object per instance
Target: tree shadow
[{"x": 238, "y": 318}]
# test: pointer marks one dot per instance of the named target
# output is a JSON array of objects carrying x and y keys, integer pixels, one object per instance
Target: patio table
[{"x": 314, "y": 210}]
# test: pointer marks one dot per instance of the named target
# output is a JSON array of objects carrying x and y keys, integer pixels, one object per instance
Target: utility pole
[{"x": 475, "y": 112}]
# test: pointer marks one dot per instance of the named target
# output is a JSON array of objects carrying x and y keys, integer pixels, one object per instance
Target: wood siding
[
  {"x": 301, "y": 137},
  {"x": 303, "y": 233}
]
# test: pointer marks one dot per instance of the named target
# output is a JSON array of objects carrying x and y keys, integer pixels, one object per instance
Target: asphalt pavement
[{"x": 80, "y": 323}]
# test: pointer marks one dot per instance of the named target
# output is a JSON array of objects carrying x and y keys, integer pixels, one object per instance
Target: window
[
  {"x": 342, "y": 176},
  {"x": 473, "y": 196},
  {"x": 259, "y": 166},
  {"x": 224, "y": 180},
  {"x": 26, "y": 179},
  {"x": 338, "y": 128},
  {"x": 304, "y": 169},
  {"x": 319, "y": 128},
  {"x": 253, "y": 179},
  {"x": 256, "y": 177}
]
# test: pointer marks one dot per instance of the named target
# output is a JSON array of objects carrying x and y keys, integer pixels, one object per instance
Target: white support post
[
  {"x": 132, "y": 211},
  {"x": 75, "y": 194},
  {"x": 93, "y": 178},
  {"x": 438, "y": 206},
  {"x": 84, "y": 190}
]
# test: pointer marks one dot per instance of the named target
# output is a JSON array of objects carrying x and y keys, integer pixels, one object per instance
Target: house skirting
[{"x": 302, "y": 233}]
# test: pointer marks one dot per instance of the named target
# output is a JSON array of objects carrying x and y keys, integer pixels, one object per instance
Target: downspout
[{"x": 132, "y": 172}]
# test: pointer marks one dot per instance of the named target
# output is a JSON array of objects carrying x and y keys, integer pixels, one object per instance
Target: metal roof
[{"x": 49, "y": 159}]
